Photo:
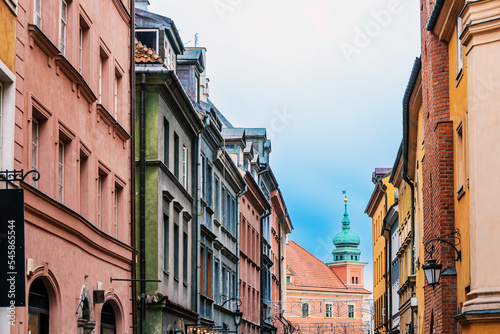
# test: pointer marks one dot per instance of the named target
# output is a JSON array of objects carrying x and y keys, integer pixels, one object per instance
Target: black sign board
[{"x": 12, "y": 266}]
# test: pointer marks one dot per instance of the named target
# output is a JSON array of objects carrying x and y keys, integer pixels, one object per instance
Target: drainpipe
[
  {"x": 412, "y": 218},
  {"x": 132, "y": 164},
  {"x": 388, "y": 261},
  {"x": 142, "y": 201}
]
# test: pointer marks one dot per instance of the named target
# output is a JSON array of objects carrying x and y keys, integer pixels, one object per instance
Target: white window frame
[
  {"x": 328, "y": 310},
  {"x": 304, "y": 314},
  {"x": 184, "y": 165},
  {"x": 37, "y": 13},
  {"x": 100, "y": 80},
  {"x": 35, "y": 146},
  {"x": 62, "y": 25},
  {"x": 99, "y": 201},
  {"x": 80, "y": 49},
  {"x": 60, "y": 171},
  {"x": 353, "y": 312},
  {"x": 116, "y": 97},
  {"x": 460, "y": 52},
  {"x": 116, "y": 212}
]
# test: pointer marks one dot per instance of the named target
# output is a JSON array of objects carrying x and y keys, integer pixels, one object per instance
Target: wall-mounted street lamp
[
  {"x": 237, "y": 314},
  {"x": 432, "y": 269}
]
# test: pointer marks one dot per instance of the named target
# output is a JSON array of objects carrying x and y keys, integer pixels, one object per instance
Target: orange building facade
[{"x": 328, "y": 297}]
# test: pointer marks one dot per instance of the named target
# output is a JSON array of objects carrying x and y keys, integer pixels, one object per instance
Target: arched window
[
  {"x": 108, "y": 320},
  {"x": 38, "y": 308}
]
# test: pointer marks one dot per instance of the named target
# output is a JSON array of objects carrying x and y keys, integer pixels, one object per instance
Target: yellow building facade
[
  {"x": 381, "y": 199},
  {"x": 412, "y": 294}
]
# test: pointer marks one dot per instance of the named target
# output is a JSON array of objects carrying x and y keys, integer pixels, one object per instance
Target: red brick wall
[{"x": 437, "y": 167}]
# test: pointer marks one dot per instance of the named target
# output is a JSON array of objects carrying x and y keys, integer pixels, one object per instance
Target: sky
[{"x": 326, "y": 78}]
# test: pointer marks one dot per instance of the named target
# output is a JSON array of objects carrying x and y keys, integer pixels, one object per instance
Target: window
[
  {"x": 38, "y": 308},
  {"x": 99, "y": 201},
  {"x": 350, "y": 311},
  {"x": 460, "y": 54},
  {"x": 217, "y": 281},
  {"x": 224, "y": 283},
  {"x": 80, "y": 49},
  {"x": 356, "y": 280},
  {"x": 84, "y": 182},
  {"x": 35, "y": 127},
  {"x": 100, "y": 80},
  {"x": 116, "y": 208},
  {"x": 166, "y": 141},
  {"x": 209, "y": 185},
  {"x": 148, "y": 37},
  {"x": 185, "y": 255},
  {"x": 184, "y": 166},
  {"x": 328, "y": 310},
  {"x": 288, "y": 279},
  {"x": 38, "y": 13},
  {"x": 176, "y": 155},
  {"x": 460, "y": 160},
  {"x": 60, "y": 171},
  {"x": 116, "y": 97},
  {"x": 176, "y": 247},
  {"x": 63, "y": 21},
  {"x": 305, "y": 309},
  {"x": 166, "y": 242},
  {"x": 108, "y": 319},
  {"x": 217, "y": 198}
]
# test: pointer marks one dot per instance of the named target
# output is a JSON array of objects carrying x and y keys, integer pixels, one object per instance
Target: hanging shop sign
[{"x": 12, "y": 269}]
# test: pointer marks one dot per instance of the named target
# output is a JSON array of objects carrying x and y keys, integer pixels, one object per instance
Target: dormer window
[{"x": 148, "y": 37}]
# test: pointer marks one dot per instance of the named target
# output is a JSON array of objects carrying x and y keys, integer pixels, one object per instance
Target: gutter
[{"x": 436, "y": 11}]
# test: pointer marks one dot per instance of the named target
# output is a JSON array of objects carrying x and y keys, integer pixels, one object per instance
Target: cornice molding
[
  {"x": 481, "y": 21},
  {"x": 44, "y": 43}
]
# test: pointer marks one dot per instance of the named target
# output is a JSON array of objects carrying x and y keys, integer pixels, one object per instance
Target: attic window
[
  {"x": 148, "y": 37},
  {"x": 288, "y": 279}
]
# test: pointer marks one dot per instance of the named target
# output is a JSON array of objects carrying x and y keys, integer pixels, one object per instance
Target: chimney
[
  {"x": 142, "y": 4},
  {"x": 191, "y": 72}
]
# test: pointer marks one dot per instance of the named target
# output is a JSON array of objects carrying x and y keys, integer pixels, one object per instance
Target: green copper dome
[{"x": 346, "y": 242}]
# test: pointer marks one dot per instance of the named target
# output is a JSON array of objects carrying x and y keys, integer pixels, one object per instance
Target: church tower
[{"x": 346, "y": 255}]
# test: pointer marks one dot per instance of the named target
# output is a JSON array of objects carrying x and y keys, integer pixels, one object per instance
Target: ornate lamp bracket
[
  {"x": 452, "y": 239},
  {"x": 17, "y": 175}
]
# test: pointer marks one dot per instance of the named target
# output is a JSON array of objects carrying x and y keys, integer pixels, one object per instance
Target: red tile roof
[
  {"x": 311, "y": 273},
  {"x": 145, "y": 55}
]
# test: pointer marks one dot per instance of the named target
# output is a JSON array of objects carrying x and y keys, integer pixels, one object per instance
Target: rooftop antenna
[{"x": 196, "y": 39}]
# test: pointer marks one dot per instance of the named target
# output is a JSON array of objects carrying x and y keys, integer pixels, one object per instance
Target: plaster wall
[
  {"x": 481, "y": 38},
  {"x": 459, "y": 116},
  {"x": 64, "y": 232}
]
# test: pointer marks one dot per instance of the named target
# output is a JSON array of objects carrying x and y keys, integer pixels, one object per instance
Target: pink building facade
[
  {"x": 73, "y": 124},
  {"x": 253, "y": 205}
]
